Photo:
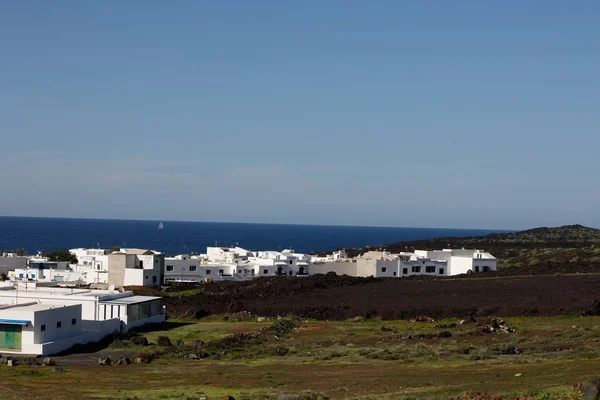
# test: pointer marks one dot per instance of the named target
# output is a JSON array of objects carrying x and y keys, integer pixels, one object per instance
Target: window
[
  {"x": 32, "y": 276},
  {"x": 266, "y": 272},
  {"x": 290, "y": 273},
  {"x": 252, "y": 270},
  {"x": 59, "y": 324},
  {"x": 291, "y": 261},
  {"x": 220, "y": 272},
  {"x": 486, "y": 268},
  {"x": 441, "y": 271},
  {"x": 404, "y": 271},
  {"x": 154, "y": 279},
  {"x": 383, "y": 269},
  {"x": 416, "y": 269},
  {"x": 156, "y": 261},
  {"x": 169, "y": 268},
  {"x": 477, "y": 269},
  {"x": 430, "y": 269},
  {"x": 192, "y": 268},
  {"x": 20, "y": 275},
  {"x": 43, "y": 327},
  {"x": 74, "y": 321},
  {"x": 208, "y": 272},
  {"x": 141, "y": 264},
  {"x": 394, "y": 274}
]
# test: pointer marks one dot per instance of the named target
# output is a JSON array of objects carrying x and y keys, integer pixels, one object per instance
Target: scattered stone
[
  {"x": 164, "y": 341},
  {"x": 228, "y": 398},
  {"x": 518, "y": 374},
  {"x": 122, "y": 361},
  {"x": 197, "y": 342},
  {"x": 350, "y": 345},
  {"x": 140, "y": 341},
  {"x": 29, "y": 361},
  {"x": 469, "y": 320},
  {"x": 511, "y": 350},
  {"x": 142, "y": 360},
  {"x": 591, "y": 389},
  {"x": 386, "y": 329},
  {"x": 104, "y": 361},
  {"x": 11, "y": 363},
  {"x": 192, "y": 356},
  {"x": 496, "y": 327},
  {"x": 180, "y": 343},
  {"x": 48, "y": 362},
  {"x": 58, "y": 369},
  {"x": 261, "y": 319}
]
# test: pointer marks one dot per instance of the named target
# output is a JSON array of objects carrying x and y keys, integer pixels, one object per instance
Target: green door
[{"x": 10, "y": 336}]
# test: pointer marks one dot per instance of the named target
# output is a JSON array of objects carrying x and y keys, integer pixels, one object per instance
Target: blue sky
[{"x": 463, "y": 114}]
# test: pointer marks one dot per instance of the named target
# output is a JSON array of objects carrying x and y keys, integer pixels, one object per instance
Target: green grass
[{"x": 339, "y": 359}]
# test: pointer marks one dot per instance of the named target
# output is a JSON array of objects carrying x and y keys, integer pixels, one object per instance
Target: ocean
[{"x": 177, "y": 237}]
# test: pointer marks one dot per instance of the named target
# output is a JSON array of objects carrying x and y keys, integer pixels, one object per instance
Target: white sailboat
[{"x": 161, "y": 226}]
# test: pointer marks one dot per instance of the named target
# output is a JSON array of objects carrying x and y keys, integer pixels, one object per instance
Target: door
[
  {"x": 10, "y": 336},
  {"x": 279, "y": 271}
]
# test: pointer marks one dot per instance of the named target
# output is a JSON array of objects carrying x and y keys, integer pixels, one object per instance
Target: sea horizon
[
  {"x": 259, "y": 223},
  {"x": 184, "y": 237}
]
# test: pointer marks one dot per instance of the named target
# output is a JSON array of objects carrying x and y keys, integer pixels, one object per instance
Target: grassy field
[{"x": 544, "y": 357}]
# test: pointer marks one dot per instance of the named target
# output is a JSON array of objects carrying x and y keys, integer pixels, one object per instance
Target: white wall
[
  {"x": 340, "y": 268},
  {"x": 134, "y": 277},
  {"x": 460, "y": 265}
]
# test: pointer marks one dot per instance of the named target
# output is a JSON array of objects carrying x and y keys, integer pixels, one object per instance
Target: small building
[
  {"x": 136, "y": 267},
  {"x": 461, "y": 261},
  {"x": 101, "y": 312},
  {"x": 40, "y": 329}
]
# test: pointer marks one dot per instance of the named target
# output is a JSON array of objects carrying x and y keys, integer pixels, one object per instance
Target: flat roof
[
  {"x": 34, "y": 307},
  {"x": 131, "y": 300}
]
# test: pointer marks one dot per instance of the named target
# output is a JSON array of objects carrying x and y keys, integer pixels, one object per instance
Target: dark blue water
[{"x": 47, "y": 234}]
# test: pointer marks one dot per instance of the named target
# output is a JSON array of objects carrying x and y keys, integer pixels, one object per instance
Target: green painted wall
[{"x": 10, "y": 336}]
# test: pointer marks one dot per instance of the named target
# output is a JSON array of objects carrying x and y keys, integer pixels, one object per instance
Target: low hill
[{"x": 567, "y": 233}]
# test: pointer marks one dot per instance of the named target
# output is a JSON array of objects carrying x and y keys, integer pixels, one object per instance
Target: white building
[
  {"x": 384, "y": 264},
  {"x": 42, "y": 270},
  {"x": 235, "y": 263},
  {"x": 286, "y": 262},
  {"x": 184, "y": 267},
  {"x": 46, "y": 320},
  {"x": 92, "y": 264},
  {"x": 136, "y": 267},
  {"x": 461, "y": 261}
]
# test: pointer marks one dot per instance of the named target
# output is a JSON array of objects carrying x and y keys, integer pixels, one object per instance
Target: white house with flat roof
[
  {"x": 136, "y": 267},
  {"x": 101, "y": 312},
  {"x": 460, "y": 261},
  {"x": 92, "y": 264},
  {"x": 34, "y": 328}
]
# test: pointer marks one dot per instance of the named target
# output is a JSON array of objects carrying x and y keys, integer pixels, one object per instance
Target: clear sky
[{"x": 462, "y": 114}]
